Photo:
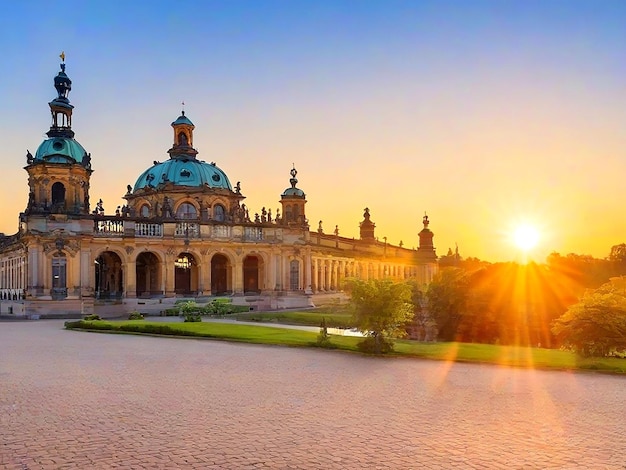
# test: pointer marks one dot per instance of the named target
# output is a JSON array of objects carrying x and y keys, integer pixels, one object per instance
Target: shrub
[
  {"x": 92, "y": 317},
  {"x": 135, "y": 315},
  {"x": 323, "y": 339},
  {"x": 171, "y": 312},
  {"x": 191, "y": 311},
  {"x": 375, "y": 344}
]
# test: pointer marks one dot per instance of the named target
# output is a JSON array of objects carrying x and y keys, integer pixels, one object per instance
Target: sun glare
[{"x": 525, "y": 237}]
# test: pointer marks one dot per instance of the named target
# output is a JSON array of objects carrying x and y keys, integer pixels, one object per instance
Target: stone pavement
[{"x": 96, "y": 401}]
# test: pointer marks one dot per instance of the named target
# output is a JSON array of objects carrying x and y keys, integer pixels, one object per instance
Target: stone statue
[
  {"x": 129, "y": 189},
  {"x": 238, "y": 187},
  {"x": 269, "y": 215},
  {"x": 87, "y": 160},
  {"x": 263, "y": 215},
  {"x": 29, "y": 157},
  {"x": 319, "y": 227},
  {"x": 167, "y": 208}
]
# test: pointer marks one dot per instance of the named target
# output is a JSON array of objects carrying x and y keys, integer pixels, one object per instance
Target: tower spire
[{"x": 60, "y": 107}]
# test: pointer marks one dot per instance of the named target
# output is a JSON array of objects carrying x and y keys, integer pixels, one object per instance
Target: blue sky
[{"x": 483, "y": 113}]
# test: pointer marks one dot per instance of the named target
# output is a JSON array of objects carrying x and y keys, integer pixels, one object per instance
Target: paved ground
[{"x": 85, "y": 400}]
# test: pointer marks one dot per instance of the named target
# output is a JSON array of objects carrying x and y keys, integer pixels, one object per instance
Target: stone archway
[
  {"x": 220, "y": 275},
  {"x": 148, "y": 275},
  {"x": 109, "y": 276},
  {"x": 251, "y": 276},
  {"x": 185, "y": 274}
]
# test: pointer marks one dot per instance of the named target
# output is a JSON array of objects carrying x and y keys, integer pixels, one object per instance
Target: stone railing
[
  {"x": 143, "y": 229},
  {"x": 221, "y": 231},
  {"x": 187, "y": 230},
  {"x": 253, "y": 233},
  {"x": 109, "y": 228}
]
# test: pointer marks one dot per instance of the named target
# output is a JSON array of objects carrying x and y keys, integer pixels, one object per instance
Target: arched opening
[
  {"x": 144, "y": 211},
  {"x": 296, "y": 213},
  {"x": 185, "y": 274},
  {"x": 109, "y": 277},
  {"x": 251, "y": 274},
  {"x": 58, "y": 196},
  {"x": 182, "y": 139},
  {"x": 288, "y": 214},
  {"x": 186, "y": 211},
  {"x": 218, "y": 212},
  {"x": 220, "y": 268},
  {"x": 294, "y": 274},
  {"x": 148, "y": 275},
  {"x": 59, "y": 277}
]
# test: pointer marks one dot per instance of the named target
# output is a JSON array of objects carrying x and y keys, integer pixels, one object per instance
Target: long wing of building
[{"x": 185, "y": 231}]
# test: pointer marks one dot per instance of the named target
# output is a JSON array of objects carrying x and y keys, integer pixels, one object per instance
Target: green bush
[
  {"x": 171, "y": 312},
  {"x": 135, "y": 315},
  {"x": 375, "y": 345},
  {"x": 191, "y": 311},
  {"x": 323, "y": 339},
  {"x": 92, "y": 317}
]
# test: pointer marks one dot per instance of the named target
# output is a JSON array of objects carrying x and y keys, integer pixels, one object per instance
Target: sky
[{"x": 483, "y": 114}]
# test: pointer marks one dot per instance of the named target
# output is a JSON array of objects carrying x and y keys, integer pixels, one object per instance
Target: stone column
[
  {"x": 307, "y": 272},
  {"x": 327, "y": 280},
  {"x": 130, "y": 279},
  {"x": 238, "y": 277}
]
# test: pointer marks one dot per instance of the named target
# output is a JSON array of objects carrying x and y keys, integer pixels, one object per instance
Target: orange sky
[{"x": 484, "y": 116}]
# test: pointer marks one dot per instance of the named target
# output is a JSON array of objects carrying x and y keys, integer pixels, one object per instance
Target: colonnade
[
  {"x": 12, "y": 276},
  {"x": 329, "y": 274}
]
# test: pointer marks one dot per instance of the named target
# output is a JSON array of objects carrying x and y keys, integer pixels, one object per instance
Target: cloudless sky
[{"x": 484, "y": 114}]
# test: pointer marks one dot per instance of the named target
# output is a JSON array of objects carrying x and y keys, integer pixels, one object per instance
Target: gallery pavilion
[{"x": 184, "y": 232}]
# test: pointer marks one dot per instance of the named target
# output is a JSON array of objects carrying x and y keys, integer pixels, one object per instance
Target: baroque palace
[{"x": 184, "y": 232}]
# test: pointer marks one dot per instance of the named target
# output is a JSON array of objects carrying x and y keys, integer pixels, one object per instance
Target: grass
[
  {"x": 310, "y": 318},
  {"x": 451, "y": 352}
]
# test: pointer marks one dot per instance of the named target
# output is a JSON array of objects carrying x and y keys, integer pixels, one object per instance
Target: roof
[
  {"x": 183, "y": 172},
  {"x": 61, "y": 150}
]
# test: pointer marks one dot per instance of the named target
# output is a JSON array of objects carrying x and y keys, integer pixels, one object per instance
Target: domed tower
[
  {"x": 59, "y": 171},
  {"x": 184, "y": 187},
  {"x": 367, "y": 227},
  {"x": 292, "y": 201},
  {"x": 426, "y": 250}
]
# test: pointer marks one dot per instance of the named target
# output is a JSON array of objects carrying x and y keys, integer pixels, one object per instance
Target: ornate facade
[{"x": 184, "y": 231}]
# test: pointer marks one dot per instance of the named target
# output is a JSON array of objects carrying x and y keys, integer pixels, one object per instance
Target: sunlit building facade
[{"x": 185, "y": 231}]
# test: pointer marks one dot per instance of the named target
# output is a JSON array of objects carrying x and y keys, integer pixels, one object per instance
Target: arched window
[
  {"x": 182, "y": 138},
  {"x": 294, "y": 275},
  {"x": 58, "y": 193},
  {"x": 59, "y": 280},
  {"x": 288, "y": 214},
  {"x": 144, "y": 211},
  {"x": 296, "y": 213},
  {"x": 186, "y": 211},
  {"x": 218, "y": 212}
]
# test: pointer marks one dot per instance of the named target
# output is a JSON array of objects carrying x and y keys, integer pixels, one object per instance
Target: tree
[
  {"x": 596, "y": 325},
  {"x": 448, "y": 295},
  {"x": 381, "y": 309}
]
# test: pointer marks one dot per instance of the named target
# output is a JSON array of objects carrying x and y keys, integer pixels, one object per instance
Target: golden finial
[{"x": 62, "y": 56}]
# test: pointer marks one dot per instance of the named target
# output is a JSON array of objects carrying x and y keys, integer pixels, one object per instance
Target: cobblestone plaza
[{"x": 80, "y": 400}]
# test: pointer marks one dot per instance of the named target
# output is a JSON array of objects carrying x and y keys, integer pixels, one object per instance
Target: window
[
  {"x": 218, "y": 212},
  {"x": 144, "y": 211},
  {"x": 58, "y": 193},
  {"x": 186, "y": 211},
  {"x": 294, "y": 275},
  {"x": 59, "y": 268}
]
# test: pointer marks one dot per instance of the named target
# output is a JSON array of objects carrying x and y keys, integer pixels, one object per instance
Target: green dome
[
  {"x": 182, "y": 119},
  {"x": 183, "y": 172},
  {"x": 61, "y": 150},
  {"x": 293, "y": 192}
]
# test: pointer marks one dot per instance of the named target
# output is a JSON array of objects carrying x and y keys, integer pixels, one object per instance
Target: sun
[{"x": 526, "y": 237}]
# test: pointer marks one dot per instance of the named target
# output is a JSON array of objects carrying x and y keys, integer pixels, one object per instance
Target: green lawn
[
  {"x": 452, "y": 352},
  {"x": 309, "y": 318}
]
